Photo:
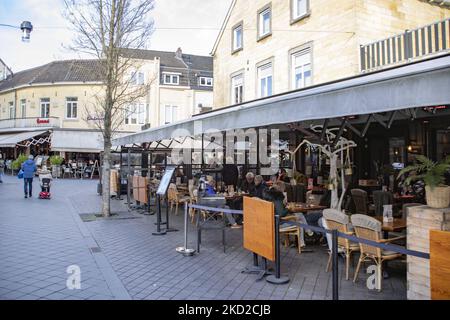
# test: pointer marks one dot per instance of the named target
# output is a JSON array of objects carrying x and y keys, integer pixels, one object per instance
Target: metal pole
[
  {"x": 334, "y": 252},
  {"x": 277, "y": 278},
  {"x": 158, "y": 218},
  {"x": 184, "y": 250}
]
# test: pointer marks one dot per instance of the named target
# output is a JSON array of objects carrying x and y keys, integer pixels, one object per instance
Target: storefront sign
[{"x": 42, "y": 121}]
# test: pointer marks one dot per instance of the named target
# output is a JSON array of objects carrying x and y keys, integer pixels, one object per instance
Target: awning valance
[
  {"x": 77, "y": 141},
  {"x": 10, "y": 140},
  {"x": 414, "y": 85}
]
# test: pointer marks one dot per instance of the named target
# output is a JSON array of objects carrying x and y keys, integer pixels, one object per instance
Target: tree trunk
[
  {"x": 333, "y": 180},
  {"x": 106, "y": 178}
]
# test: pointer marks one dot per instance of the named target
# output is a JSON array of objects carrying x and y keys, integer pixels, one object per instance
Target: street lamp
[{"x": 26, "y": 28}]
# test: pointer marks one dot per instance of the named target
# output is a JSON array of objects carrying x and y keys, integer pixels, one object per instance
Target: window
[
  {"x": 265, "y": 80},
  {"x": 301, "y": 69},
  {"x": 71, "y": 108},
  {"x": 238, "y": 33},
  {"x": 23, "y": 107},
  {"x": 264, "y": 22},
  {"x": 205, "y": 81},
  {"x": 171, "y": 78},
  {"x": 170, "y": 114},
  {"x": 137, "y": 78},
  {"x": 12, "y": 111},
  {"x": 299, "y": 8},
  {"x": 237, "y": 89},
  {"x": 45, "y": 107},
  {"x": 135, "y": 114}
]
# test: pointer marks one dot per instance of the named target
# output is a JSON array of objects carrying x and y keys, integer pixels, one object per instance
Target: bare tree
[{"x": 108, "y": 30}]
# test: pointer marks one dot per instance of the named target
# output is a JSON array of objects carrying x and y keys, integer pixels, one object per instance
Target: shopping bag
[{"x": 20, "y": 174}]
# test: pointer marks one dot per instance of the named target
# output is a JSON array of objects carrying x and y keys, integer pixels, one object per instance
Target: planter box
[{"x": 420, "y": 221}]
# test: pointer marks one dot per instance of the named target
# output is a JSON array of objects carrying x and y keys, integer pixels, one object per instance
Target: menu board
[{"x": 165, "y": 181}]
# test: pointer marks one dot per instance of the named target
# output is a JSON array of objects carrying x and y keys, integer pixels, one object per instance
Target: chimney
[{"x": 179, "y": 53}]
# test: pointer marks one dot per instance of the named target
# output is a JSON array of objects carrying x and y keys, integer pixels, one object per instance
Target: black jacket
[
  {"x": 277, "y": 198},
  {"x": 260, "y": 190},
  {"x": 230, "y": 174}
]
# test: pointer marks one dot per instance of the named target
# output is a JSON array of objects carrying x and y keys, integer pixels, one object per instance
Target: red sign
[{"x": 41, "y": 121}]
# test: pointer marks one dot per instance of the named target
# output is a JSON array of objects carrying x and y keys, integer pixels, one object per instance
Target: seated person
[
  {"x": 45, "y": 174},
  {"x": 276, "y": 195},
  {"x": 211, "y": 191},
  {"x": 248, "y": 186},
  {"x": 260, "y": 187},
  {"x": 282, "y": 176}
]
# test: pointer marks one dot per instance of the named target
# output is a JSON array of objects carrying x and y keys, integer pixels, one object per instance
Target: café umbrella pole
[{"x": 184, "y": 250}]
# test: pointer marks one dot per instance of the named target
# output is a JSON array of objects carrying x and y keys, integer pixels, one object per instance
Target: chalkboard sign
[{"x": 165, "y": 181}]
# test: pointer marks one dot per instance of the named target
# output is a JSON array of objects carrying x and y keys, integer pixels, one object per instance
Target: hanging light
[{"x": 26, "y": 28}]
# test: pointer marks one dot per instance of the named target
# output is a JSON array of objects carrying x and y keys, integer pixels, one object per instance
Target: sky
[{"x": 196, "y": 22}]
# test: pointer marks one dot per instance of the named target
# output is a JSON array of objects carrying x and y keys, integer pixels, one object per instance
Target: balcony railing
[
  {"x": 408, "y": 46},
  {"x": 53, "y": 122}
]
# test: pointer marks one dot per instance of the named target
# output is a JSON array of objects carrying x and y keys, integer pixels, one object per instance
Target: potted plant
[
  {"x": 16, "y": 164},
  {"x": 56, "y": 162},
  {"x": 433, "y": 175}
]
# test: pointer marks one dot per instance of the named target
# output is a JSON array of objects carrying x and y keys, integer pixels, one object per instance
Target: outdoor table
[
  {"x": 300, "y": 207},
  {"x": 397, "y": 225}
]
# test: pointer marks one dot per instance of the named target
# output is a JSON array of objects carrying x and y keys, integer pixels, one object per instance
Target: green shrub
[
  {"x": 432, "y": 173},
  {"x": 16, "y": 164},
  {"x": 56, "y": 160}
]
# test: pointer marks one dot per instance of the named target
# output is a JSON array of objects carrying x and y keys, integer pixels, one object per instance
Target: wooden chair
[
  {"x": 291, "y": 231},
  {"x": 369, "y": 228},
  {"x": 174, "y": 198},
  {"x": 337, "y": 220},
  {"x": 193, "y": 199},
  {"x": 361, "y": 201}
]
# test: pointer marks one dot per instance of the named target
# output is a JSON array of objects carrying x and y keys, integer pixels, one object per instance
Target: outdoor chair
[
  {"x": 361, "y": 201},
  {"x": 209, "y": 221},
  {"x": 193, "y": 199},
  {"x": 291, "y": 230},
  {"x": 175, "y": 198},
  {"x": 370, "y": 228},
  {"x": 67, "y": 171},
  {"x": 337, "y": 220},
  {"x": 381, "y": 198}
]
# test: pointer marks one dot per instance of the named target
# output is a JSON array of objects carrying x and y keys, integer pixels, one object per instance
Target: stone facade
[
  {"x": 333, "y": 30},
  {"x": 420, "y": 221}
]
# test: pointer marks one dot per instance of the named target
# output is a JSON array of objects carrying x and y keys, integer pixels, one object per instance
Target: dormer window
[
  {"x": 171, "y": 78},
  {"x": 205, "y": 81}
]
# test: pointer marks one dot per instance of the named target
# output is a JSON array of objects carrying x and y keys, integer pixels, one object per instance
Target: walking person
[
  {"x": 28, "y": 168},
  {"x": 2, "y": 169}
]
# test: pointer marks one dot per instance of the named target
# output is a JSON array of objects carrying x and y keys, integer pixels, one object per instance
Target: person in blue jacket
[{"x": 28, "y": 168}]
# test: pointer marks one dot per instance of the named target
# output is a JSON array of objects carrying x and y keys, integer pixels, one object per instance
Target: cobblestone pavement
[{"x": 120, "y": 258}]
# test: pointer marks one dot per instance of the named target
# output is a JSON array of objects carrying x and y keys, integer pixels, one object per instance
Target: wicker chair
[
  {"x": 361, "y": 201},
  {"x": 175, "y": 198},
  {"x": 291, "y": 231},
  {"x": 369, "y": 228},
  {"x": 337, "y": 220}
]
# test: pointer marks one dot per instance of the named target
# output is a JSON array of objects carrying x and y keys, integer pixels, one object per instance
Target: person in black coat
[
  {"x": 260, "y": 187},
  {"x": 230, "y": 174}
]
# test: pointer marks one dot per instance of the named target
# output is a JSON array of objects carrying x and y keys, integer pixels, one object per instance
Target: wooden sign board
[
  {"x": 440, "y": 265},
  {"x": 259, "y": 228}
]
